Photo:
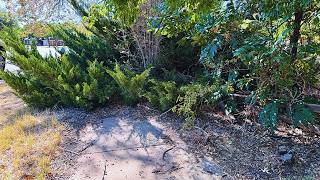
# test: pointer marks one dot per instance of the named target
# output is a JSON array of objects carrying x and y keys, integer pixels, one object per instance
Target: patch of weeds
[
  {"x": 28, "y": 145},
  {"x": 3, "y": 88}
]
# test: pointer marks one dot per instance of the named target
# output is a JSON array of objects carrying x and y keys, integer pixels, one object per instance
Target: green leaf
[
  {"x": 300, "y": 114},
  {"x": 268, "y": 117}
]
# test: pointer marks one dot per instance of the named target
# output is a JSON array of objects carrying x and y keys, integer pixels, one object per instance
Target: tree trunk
[
  {"x": 294, "y": 39},
  {"x": 2, "y": 63}
]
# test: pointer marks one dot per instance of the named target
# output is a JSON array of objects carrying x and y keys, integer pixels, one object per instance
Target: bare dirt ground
[
  {"x": 125, "y": 143},
  {"x": 136, "y": 143},
  {"x": 122, "y": 142},
  {"x": 10, "y": 104},
  {"x": 249, "y": 152}
]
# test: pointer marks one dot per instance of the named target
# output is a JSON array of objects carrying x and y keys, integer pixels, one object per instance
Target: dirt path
[
  {"x": 127, "y": 145},
  {"x": 9, "y": 102},
  {"x": 134, "y": 143}
]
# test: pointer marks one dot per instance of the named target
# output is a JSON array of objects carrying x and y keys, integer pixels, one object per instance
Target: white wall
[{"x": 44, "y": 51}]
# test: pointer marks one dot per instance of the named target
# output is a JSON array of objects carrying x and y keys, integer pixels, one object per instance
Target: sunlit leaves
[{"x": 210, "y": 51}]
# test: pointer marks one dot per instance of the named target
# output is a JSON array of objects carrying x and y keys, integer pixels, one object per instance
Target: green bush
[
  {"x": 162, "y": 95},
  {"x": 193, "y": 96},
  {"x": 297, "y": 112},
  {"x": 86, "y": 47},
  {"x": 178, "y": 56},
  {"x": 130, "y": 84},
  {"x": 263, "y": 48},
  {"x": 46, "y": 82},
  {"x": 89, "y": 89}
]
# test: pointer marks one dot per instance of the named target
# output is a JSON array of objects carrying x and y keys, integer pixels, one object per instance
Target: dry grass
[
  {"x": 28, "y": 146},
  {"x": 28, "y": 143},
  {"x": 3, "y": 87}
]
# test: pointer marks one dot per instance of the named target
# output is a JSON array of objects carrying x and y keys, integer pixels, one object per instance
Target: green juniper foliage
[
  {"x": 88, "y": 47},
  {"x": 46, "y": 82},
  {"x": 193, "y": 96},
  {"x": 162, "y": 94},
  {"x": 130, "y": 84}
]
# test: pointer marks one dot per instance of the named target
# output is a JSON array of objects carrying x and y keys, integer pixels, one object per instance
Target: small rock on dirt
[
  {"x": 211, "y": 168},
  {"x": 287, "y": 158},
  {"x": 286, "y": 155}
]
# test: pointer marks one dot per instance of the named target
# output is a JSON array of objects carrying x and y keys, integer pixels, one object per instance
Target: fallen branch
[
  {"x": 66, "y": 150},
  {"x": 204, "y": 132},
  {"x": 175, "y": 169},
  {"x": 164, "y": 153},
  {"x": 79, "y": 152},
  {"x": 165, "y": 112},
  {"x": 239, "y": 95},
  {"x": 314, "y": 107},
  {"x": 149, "y": 108},
  {"x": 124, "y": 149},
  {"x": 170, "y": 170},
  {"x": 89, "y": 145},
  {"x": 105, "y": 170}
]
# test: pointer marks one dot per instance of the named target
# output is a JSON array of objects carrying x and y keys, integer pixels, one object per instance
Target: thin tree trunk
[
  {"x": 2, "y": 63},
  {"x": 140, "y": 48},
  {"x": 294, "y": 39}
]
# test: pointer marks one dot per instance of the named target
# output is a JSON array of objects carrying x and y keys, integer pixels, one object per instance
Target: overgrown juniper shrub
[
  {"x": 46, "y": 82},
  {"x": 194, "y": 96},
  {"x": 162, "y": 95},
  {"x": 131, "y": 85},
  {"x": 88, "y": 46}
]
